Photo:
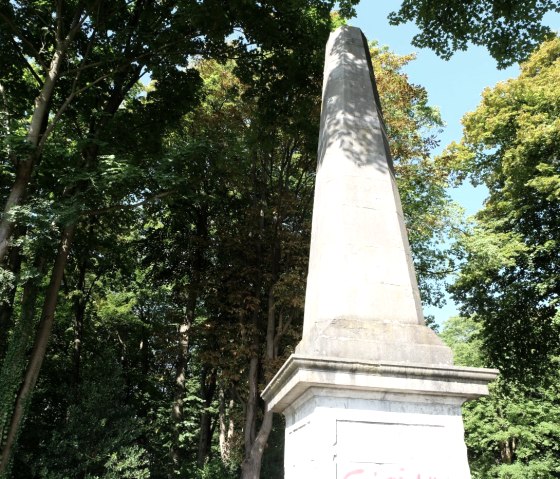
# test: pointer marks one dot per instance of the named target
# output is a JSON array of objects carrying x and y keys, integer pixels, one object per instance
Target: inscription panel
[{"x": 377, "y": 450}]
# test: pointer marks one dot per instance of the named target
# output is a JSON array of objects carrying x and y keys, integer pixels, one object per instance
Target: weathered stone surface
[
  {"x": 360, "y": 263},
  {"x": 366, "y": 340},
  {"x": 364, "y": 420},
  {"x": 371, "y": 436}
]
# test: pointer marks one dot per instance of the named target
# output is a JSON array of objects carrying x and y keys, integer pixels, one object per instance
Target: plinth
[
  {"x": 365, "y": 420},
  {"x": 370, "y": 392}
]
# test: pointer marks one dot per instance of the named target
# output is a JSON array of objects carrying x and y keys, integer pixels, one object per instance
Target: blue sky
[{"x": 454, "y": 86}]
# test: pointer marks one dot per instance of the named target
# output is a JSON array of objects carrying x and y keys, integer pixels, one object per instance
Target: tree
[
  {"x": 82, "y": 62},
  {"x": 510, "y": 30},
  {"x": 75, "y": 50},
  {"x": 509, "y": 281},
  {"x": 514, "y": 432},
  {"x": 412, "y": 127}
]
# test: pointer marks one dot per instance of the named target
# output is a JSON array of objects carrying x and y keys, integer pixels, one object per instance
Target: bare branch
[
  {"x": 90, "y": 289},
  {"x": 282, "y": 330},
  {"x": 436, "y": 272},
  {"x": 76, "y": 24},
  {"x": 73, "y": 93},
  {"x": 126, "y": 61}
]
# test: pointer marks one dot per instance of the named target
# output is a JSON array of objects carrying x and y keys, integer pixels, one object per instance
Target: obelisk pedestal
[{"x": 371, "y": 392}]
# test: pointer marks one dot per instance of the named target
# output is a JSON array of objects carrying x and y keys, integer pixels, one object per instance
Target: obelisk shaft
[
  {"x": 360, "y": 263},
  {"x": 362, "y": 299}
]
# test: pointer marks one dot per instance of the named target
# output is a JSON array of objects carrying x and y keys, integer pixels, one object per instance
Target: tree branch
[
  {"x": 58, "y": 31},
  {"x": 32, "y": 70},
  {"x": 76, "y": 24},
  {"x": 125, "y": 61}
]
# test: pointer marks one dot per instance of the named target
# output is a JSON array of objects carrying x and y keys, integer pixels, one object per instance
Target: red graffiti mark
[{"x": 354, "y": 473}]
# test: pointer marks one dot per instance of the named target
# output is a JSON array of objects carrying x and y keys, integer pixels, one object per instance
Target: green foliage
[
  {"x": 510, "y": 281},
  {"x": 462, "y": 335},
  {"x": 129, "y": 463},
  {"x": 509, "y": 30},
  {"x": 515, "y": 432},
  {"x": 95, "y": 436},
  {"x": 192, "y": 202},
  {"x": 216, "y": 469},
  {"x": 7, "y": 284},
  {"x": 102, "y": 152}
]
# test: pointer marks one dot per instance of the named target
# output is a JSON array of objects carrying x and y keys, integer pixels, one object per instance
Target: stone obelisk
[{"x": 371, "y": 392}]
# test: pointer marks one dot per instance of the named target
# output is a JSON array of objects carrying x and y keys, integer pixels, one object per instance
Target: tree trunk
[
  {"x": 39, "y": 348},
  {"x": 24, "y": 167},
  {"x": 7, "y": 307},
  {"x": 254, "y": 445},
  {"x": 16, "y": 356},
  {"x": 249, "y": 430},
  {"x": 178, "y": 397},
  {"x": 251, "y": 466},
  {"x": 226, "y": 429},
  {"x": 507, "y": 451},
  {"x": 208, "y": 389},
  {"x": 79, "y": 306},
  {"x": 24, "y": 170},
  {"x": 200, "y": 242},
  {"x": 37, "y": 130}
]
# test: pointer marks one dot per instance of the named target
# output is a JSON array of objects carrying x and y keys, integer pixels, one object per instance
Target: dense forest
[{"x": 157, "y": 165}]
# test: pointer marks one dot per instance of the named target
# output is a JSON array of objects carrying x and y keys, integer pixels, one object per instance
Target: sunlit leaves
[
  {"x": 509, "y": 30},
  {"x": 510, "y": 279},
  {"x": 515, "y": 432}
]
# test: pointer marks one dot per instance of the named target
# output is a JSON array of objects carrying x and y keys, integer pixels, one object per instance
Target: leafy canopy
[
  {"x": 510, "y": 281},
  {"x": 509, "y": 29}
]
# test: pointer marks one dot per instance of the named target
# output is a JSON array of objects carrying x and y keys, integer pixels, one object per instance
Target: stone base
[
  {"x": 366, "y": 420},
  {"x": 364, "y": 339}
]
